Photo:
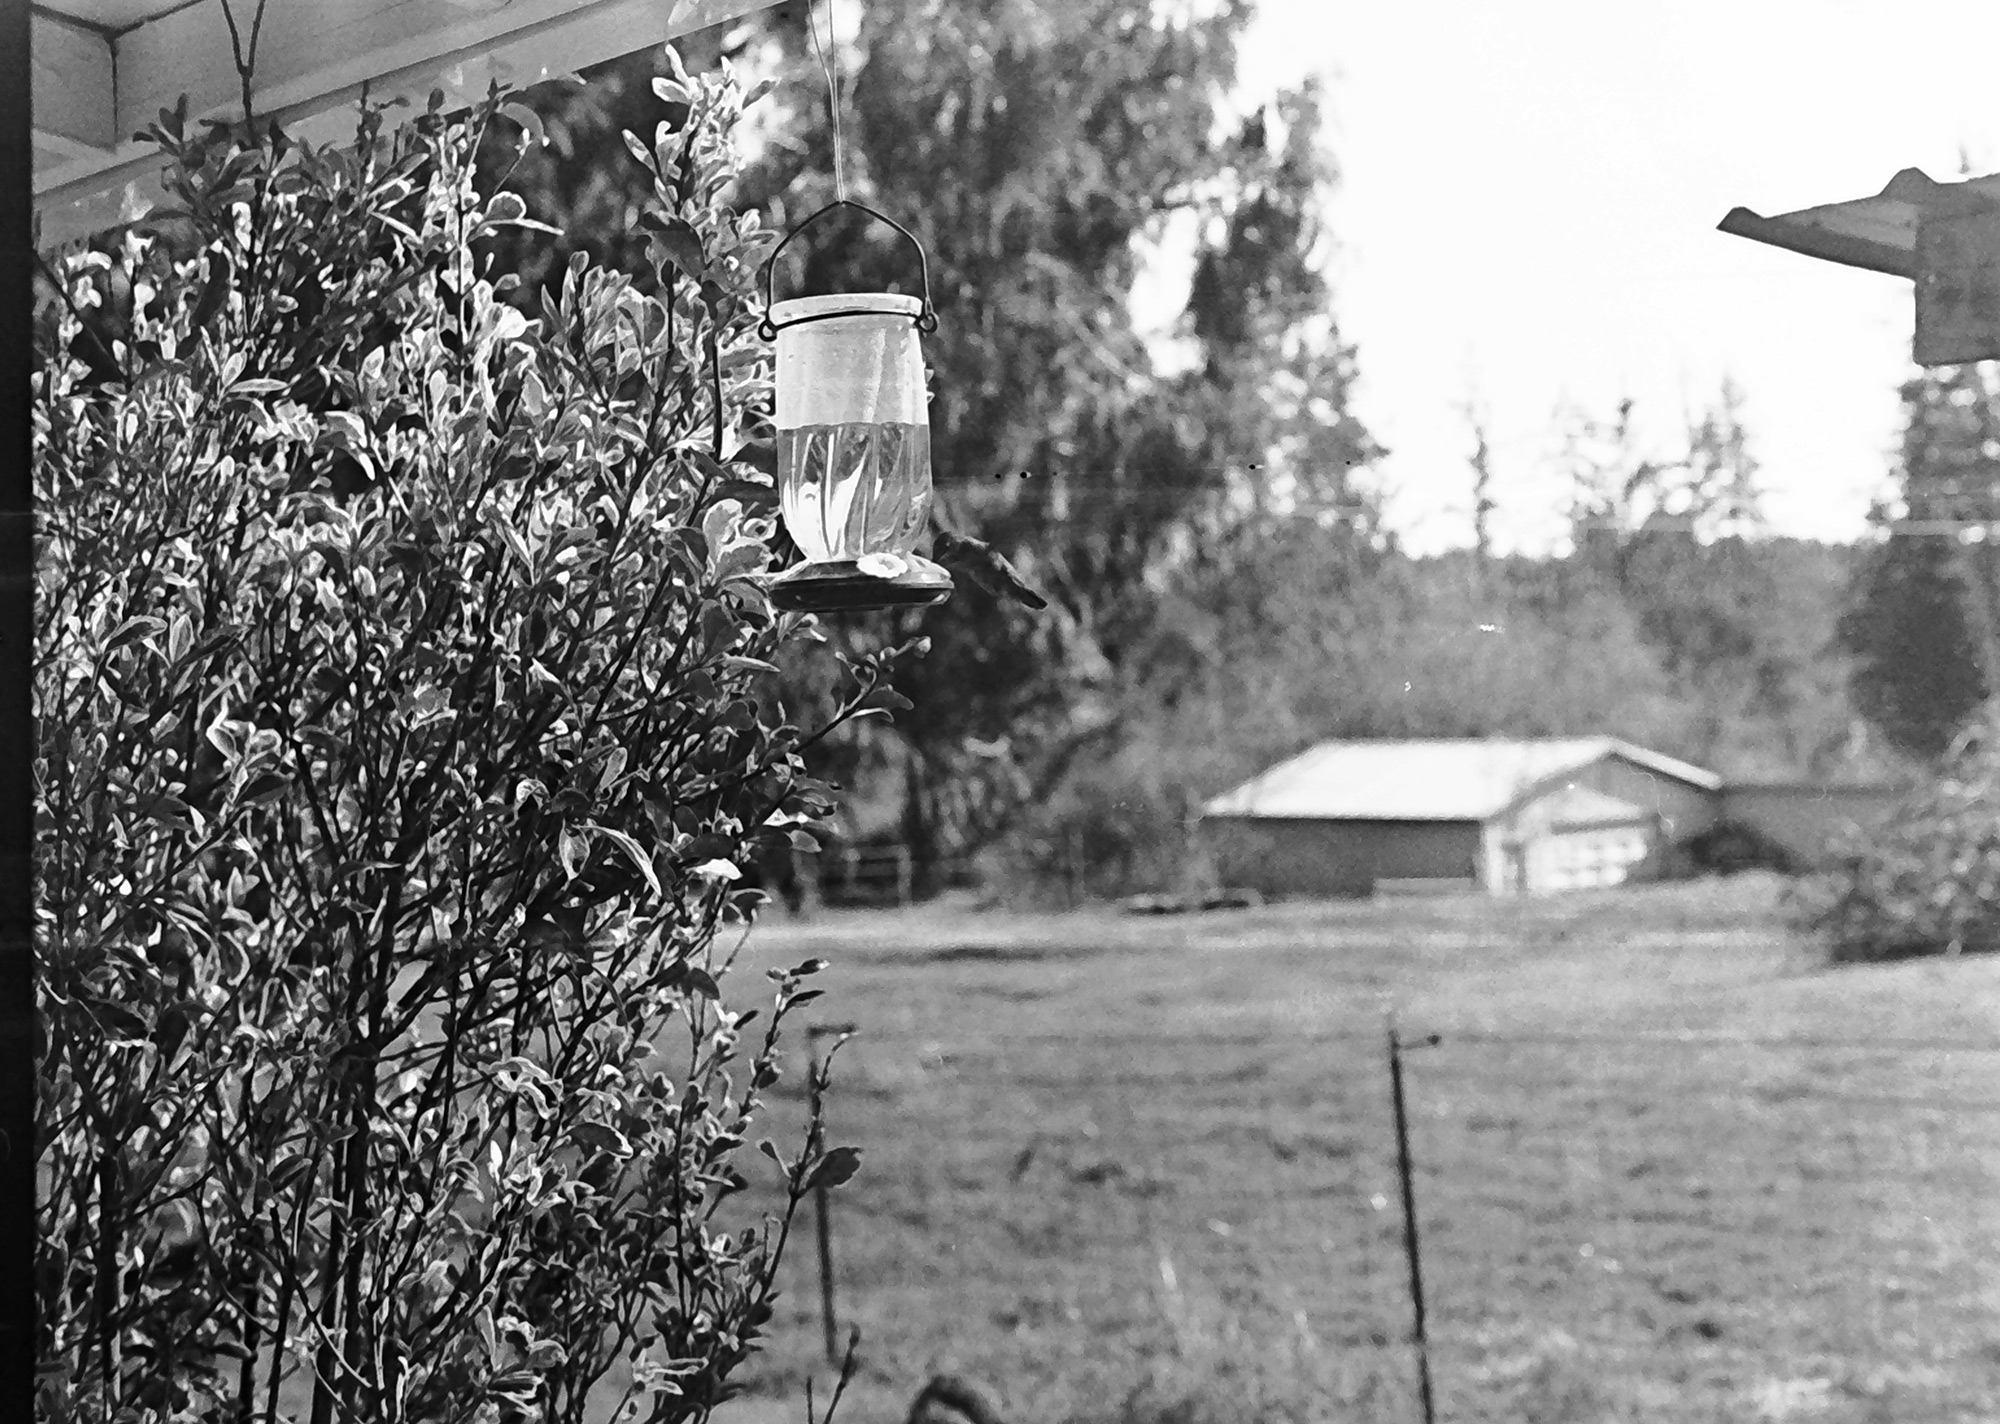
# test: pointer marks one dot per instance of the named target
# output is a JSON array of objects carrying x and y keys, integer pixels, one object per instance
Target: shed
[{"x": 1550, "y": 813}]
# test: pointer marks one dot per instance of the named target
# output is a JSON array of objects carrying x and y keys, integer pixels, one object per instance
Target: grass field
[{"x": 1667, "y": 1167}]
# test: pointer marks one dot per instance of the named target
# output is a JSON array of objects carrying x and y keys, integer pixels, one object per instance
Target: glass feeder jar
[{"x": 854, "y": 449}]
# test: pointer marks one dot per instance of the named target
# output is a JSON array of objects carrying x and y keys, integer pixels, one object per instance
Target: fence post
[
  {"x": 1411, "y": 1249},
  {"x": 822, "y": 1223}
]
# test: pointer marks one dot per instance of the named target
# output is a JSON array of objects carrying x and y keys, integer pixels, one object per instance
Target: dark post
[
  {"x": 1410, "y": 1248},
  {"x": 822, "y": 1224},
  {"x": 18, "y": 1218}
]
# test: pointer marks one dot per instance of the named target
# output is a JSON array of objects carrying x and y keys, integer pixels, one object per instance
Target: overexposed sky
[{"x": 1527, "y": 213}]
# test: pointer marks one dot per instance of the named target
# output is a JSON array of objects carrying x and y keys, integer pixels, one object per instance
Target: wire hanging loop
[{"x": 926, "y": 318}]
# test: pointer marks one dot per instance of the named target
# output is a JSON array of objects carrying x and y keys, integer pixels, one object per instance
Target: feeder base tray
[{"x": 840, "y": 586}]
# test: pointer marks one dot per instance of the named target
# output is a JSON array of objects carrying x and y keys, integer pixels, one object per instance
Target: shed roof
[{"x": 1469, "y": 779}]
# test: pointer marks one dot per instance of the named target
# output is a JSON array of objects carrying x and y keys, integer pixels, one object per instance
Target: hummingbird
[
  {"x": 950, "y": 1399},
  {"x": 984, "y": 565}
]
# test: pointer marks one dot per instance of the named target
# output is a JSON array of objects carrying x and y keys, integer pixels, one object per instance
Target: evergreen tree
[
  {"x": 1484, "y": 505},
  {"x": 1918, "y": 670},
  {"x": 1717, "y": 490},
  {"x": 1920, "y": 626}
]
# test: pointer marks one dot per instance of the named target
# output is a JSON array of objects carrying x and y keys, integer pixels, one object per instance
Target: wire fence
[{"x": 1602, "y": 1225}]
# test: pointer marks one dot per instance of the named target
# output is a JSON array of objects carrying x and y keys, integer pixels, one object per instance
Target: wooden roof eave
[
  {"x": 95, "y": 88},
  {"x": 1814, "y": 240},
  {"x": 1877, "y": 233}
]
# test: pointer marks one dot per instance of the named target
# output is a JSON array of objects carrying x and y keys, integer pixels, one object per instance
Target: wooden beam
[
  {"x": 314, "y": 63},
  {"x": 1958, "y": 288},
  {"x": 74, "y": 84}
]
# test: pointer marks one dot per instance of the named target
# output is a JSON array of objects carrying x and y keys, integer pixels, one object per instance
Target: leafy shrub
[
  {"x": 1927, "y": 880},
  {"x": 396, "y": 660}
]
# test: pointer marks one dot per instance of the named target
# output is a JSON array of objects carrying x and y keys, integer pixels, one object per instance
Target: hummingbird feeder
[{"x": 854, "y": 441}]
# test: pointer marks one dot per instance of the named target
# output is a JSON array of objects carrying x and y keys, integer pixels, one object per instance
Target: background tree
[
  {"x": 1917, "y": 669},
  {"x": 1717, "y": 491},
  {"x": 1038, "y": 150},
  {"x": 1699, "y": 573},
  {"x": 1485, "y": 504},
  {"x": 1920, "y": 624},
  {"x": 1613, "y": 474},
  {"x": 1739, "y": 622}
]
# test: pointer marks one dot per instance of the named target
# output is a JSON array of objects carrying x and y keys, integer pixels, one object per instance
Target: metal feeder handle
[{"x": 926, "y": 318}]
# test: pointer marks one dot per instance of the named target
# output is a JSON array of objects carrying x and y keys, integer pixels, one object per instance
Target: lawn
[{"x": 1667, "y": 1167}]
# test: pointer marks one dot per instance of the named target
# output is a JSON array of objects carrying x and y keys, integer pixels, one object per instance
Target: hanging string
[{"x": 832, "y": 72}]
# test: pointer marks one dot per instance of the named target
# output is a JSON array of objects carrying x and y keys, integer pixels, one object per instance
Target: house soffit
[{"x": 103, "y": 69}]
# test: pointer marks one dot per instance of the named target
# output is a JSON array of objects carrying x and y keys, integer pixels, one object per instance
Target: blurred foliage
[{"x": 1926, "y": 881}]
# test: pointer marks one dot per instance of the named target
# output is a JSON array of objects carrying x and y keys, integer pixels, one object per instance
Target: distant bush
[
  {"x": 1926, "y": 881},
  {"x": 1118, "y": 827},
  {"x": 1731, "y": 847}
]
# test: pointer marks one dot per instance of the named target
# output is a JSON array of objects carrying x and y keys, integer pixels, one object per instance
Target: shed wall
[
  {"x": 1526, "y": 852},
  {"x": 1522, "y": 850},
  {"x": 1286, "y": 858},
  {"x": 1682, "y": 809}
]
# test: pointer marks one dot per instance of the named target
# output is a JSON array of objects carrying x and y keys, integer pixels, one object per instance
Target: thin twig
[
  {"x": 246, "y": 63},
  {"x": 848, "y": 1364},
  {"x": 715, "y": 376}
]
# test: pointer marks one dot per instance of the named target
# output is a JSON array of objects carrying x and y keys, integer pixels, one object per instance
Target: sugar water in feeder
[
  {"x": 854, "y": 450},
  {"x": 854, "y": 442}
]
